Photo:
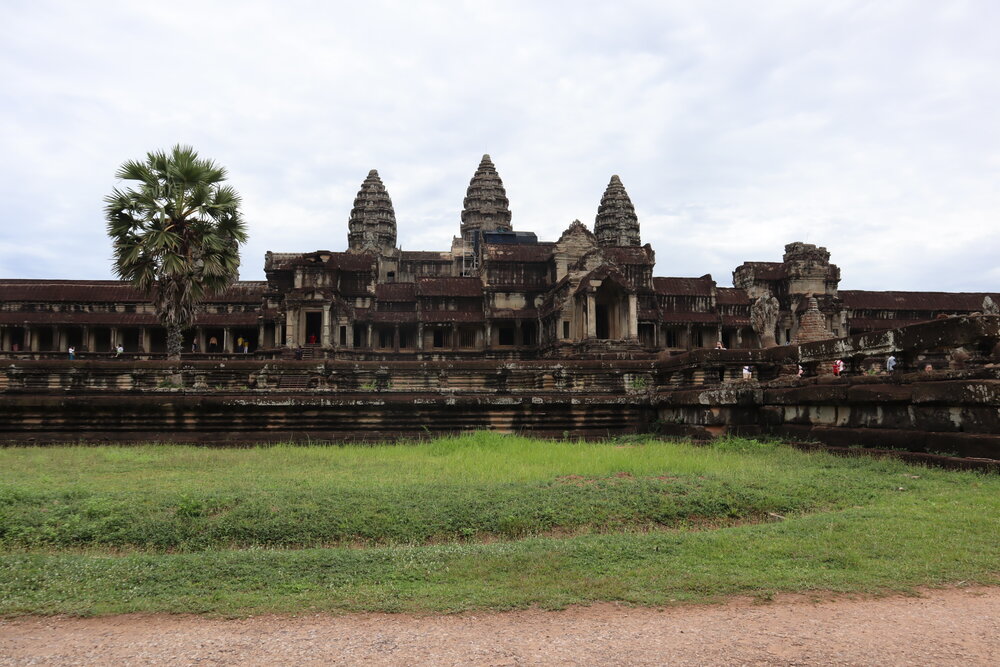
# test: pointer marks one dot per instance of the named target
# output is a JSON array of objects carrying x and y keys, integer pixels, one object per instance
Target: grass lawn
[{"x": 476, "y": 522}]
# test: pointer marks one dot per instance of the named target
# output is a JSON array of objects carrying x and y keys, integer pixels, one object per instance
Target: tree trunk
[{"x": 175, "y": 339}]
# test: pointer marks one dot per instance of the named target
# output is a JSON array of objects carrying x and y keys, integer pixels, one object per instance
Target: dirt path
[{"x": 950, "y": 627}]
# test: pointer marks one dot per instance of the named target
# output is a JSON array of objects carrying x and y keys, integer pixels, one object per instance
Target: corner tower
[
  {"x": 616, "y": 223},
  {"x": 486, "y": 207},
  {"x": 372, "y": 225}
]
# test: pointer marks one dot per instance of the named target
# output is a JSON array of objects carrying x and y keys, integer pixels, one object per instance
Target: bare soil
[{"x": 939, "y": 627}]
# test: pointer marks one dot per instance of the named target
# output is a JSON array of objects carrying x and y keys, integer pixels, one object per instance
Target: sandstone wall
[
  {"x": 246, "y": 401},
  {"x": 948, "y": 412},
  {"x": 955, "y": 408}
]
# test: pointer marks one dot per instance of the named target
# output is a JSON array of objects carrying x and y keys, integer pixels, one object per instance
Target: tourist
[
  {"x": 890, "y": 363},
  {"x": 312, "y": 339},
  {"x": 194, "y": 346},
  {"x": 747, "y": 373},
  {"x": 298, "y": 354},
  {"x": 72, "y": 353},
  {"x": 719, "y": 345},
  {"x": 213, "y": 344},
  {"x": 118, "y": 351},
  {"x": 838, "y": 367},
  {"x": 928, "y": 368},
  {"x": 799, "y": 373}
]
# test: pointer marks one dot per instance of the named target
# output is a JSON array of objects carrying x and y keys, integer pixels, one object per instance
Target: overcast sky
[{"x": 871, "y": 128}]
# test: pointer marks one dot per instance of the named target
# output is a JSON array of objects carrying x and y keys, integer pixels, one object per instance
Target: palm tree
[{"x": 176, "y": 234}]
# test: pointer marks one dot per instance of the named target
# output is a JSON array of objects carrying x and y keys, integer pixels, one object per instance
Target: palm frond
[{"x": 176, "y": 233}]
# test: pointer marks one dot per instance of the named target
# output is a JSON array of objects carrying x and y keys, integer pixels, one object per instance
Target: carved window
[
  {"x": 467, "y": 338},
  {"x": 528, "y": 333}
]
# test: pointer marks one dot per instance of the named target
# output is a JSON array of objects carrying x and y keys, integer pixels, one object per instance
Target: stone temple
[{"x": 497, "y": 293}]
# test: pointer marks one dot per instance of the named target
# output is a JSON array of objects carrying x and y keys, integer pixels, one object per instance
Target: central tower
[{"x": 486, "y": 207}]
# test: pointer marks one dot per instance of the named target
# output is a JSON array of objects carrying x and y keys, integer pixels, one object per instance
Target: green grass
[{"x": 478, "y": 522}]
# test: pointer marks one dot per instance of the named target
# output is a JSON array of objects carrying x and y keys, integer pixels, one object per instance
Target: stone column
[
  {"x": 56, "y": 338},
  {"x": 227, "y": 339},
  {"x": 633, "y": 316},
  {"x": 518, "y": 334},
  {"x": 369, "y": 338},
  {"x": 454, "y": 336},
  {"x": 687, "y": 337},
  {"x": 325, "y": 331},
  {"x": 145, "y": 340},
  {"x": 114, "y": 338},
  {"x": 395, "y": 338},
  {"x": 591, "y": 316},
  {"x": 4, "y": 338},
  {"x": 27, "y": 345},
  {"x": 488, "y": 335},
  {"x": 420, "y": 336},
  {"x": 290, "y": 333},
  {"x": 260, "y": 334},
  {"x": 85, "y": 341}
]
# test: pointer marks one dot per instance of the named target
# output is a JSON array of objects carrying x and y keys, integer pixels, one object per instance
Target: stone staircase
[{"x": 293, "y": 382}]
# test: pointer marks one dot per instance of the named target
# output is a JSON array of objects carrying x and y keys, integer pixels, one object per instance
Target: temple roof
[
  {"x": 616, "y": 223},
  {"x": 684, "y": 286},
  {"x": 731, "y": 296},
  {"x": 350, "y": 261},
  {"x": 500, "y": 252},
  {"x": 765, "y": 270},
  {"x": 629, "y": 254},
  {"x": 457, "y": 287},
  {"x": 396, "y": 292},
  {"x": 486, "y": 206},
  {"x": 936, "y": 301},
  {"x": 110, "y": 291},
  {"x": 424, "y": 256}
]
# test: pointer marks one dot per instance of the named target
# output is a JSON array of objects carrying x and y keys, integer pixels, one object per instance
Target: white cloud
[{"x": 736, "y": 127}]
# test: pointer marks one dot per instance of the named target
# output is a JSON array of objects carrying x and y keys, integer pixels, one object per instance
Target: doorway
[{"x": 314, "y": 328}]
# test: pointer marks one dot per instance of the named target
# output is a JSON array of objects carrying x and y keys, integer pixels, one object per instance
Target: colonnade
[{"x": 90, "y": 338}]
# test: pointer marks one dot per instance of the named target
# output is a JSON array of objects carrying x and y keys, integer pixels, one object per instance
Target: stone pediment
[
  {"x": 593, "y": 259},
  {"x": 604, "y": 273},
  {"x": 577, "y": 232}
]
